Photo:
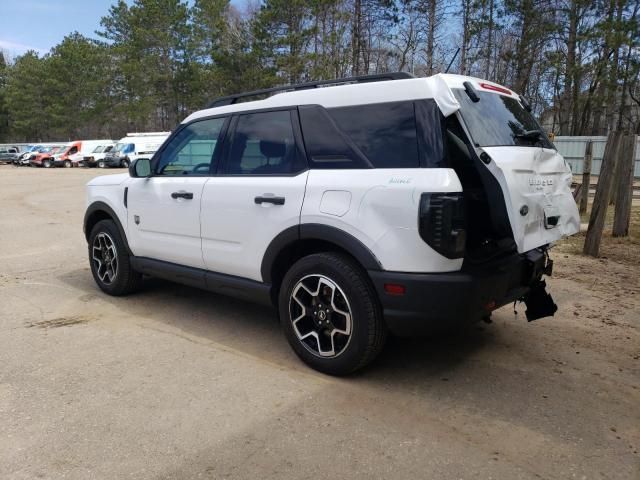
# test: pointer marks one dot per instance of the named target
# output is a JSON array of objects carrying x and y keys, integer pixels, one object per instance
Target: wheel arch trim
[
  {"x": 316, "y": 231},
  {"x": 101, "y": 207}
]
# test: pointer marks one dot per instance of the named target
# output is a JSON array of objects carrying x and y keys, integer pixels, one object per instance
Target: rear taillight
[{"x": 442, "y": 223}]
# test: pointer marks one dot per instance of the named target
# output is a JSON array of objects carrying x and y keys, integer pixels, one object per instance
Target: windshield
[
  {"x": 497, "y": 120},
  {"x": 123, "y": 146}
]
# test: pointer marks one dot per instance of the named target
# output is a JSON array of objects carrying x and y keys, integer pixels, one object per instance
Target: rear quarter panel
[{"x": 379, "y": 207}]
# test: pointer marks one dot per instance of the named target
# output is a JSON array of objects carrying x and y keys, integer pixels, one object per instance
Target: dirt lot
[{"x": 177, "y": 383}]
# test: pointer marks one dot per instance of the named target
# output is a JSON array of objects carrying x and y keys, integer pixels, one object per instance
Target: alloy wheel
[
  {"x": 320, "y": 315},
  {"x": 105, "y": 258}
]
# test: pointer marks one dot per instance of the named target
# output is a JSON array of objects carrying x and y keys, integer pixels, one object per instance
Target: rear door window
[{"x": 264, "y": 144}]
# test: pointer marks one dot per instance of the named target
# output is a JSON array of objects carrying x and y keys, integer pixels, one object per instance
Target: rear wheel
[
  {"x": 110, "y": 263},
  {"x": 330, "y": 314}
]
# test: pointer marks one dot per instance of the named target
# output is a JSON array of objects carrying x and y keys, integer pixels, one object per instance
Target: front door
[
  {"x": 257, "y": 194},
  {"x": 164, "y": 209}
]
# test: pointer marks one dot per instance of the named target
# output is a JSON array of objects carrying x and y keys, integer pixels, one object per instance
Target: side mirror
[{"x": 140, "y": 168}]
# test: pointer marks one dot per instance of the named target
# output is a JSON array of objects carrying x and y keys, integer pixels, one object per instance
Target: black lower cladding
[
  {"x": 241, "y": 288},
  {"x": 435, "y": 300}
]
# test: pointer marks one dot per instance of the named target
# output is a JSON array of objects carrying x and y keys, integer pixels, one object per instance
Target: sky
[{"x": 41, "y": 24}]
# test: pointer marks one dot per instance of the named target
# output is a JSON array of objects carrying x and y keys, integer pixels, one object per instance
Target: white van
[
  {"x": 132, "y": 147},
  {"x": 86, "y": 147},
  {"x": 94, "y": 157}
]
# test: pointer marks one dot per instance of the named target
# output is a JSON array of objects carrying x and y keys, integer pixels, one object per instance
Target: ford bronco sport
[{"x": 356, "y": 207}]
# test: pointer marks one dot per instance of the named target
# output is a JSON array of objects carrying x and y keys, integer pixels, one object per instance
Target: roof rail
[{"x": 378, "y": 77}]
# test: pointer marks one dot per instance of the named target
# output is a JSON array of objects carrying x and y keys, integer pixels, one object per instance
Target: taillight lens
[{"x": 442, "y": 223}]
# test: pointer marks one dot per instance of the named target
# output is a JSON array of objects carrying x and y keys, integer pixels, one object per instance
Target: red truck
[{"x": 45, "y": 157}]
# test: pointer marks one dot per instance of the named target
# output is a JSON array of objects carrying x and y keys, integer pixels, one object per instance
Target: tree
[
  {"x": 4, "y": 112},
  {"x": 75, "y": 80},
  {"x": 227, "y": 63},
  {"x": 282, "y": 35},
  {"x": 155, "y": 63},
  {"x": 577, "y": 61},
  {"x": 27, "y": 98}
]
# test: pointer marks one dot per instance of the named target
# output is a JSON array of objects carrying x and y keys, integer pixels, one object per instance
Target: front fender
[{"x": 99, "y": 210}]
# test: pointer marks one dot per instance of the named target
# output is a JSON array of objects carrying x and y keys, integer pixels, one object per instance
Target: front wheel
[
  {"x": 101, "y": 164},
  {"x": 110, "y": 263},
  {"x": 47, "y": 163},
  {"x": 68, "y": 164},
  {"x": 330, "y": 314}
]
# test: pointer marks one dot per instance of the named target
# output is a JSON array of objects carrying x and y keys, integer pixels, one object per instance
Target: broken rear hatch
[{"x": 535, "y": 179}]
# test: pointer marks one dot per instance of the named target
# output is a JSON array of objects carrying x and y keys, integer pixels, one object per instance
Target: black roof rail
[{"x": 378, "y": 77}]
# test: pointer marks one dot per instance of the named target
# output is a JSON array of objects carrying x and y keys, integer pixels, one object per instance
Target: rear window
[
  {"x": 497, "y": 120},
  {"x": 385, "y": 133}
]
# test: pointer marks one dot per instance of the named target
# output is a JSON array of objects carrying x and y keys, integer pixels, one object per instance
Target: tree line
[{"x": 153, "y": 62}]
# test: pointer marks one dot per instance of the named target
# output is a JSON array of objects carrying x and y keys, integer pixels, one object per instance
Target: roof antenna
[{"x": 452, "y": 60}]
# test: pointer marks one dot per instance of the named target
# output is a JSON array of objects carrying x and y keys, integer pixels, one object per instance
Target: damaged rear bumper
[{"x": 435, "y": 300}]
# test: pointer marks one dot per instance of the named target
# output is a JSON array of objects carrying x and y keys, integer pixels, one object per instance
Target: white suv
[{"x": 355, "y": 207}]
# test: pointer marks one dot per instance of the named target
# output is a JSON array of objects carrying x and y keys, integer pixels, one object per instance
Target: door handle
[
  {"x": 269, "y": 199},
  {"x": 182, "y": 194}
]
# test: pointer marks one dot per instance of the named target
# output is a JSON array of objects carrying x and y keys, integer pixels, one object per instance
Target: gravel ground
[{"x": 178, "y": 383}]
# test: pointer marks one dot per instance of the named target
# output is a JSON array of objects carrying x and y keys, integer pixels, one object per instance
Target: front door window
[{"x": 192, "y": 151}]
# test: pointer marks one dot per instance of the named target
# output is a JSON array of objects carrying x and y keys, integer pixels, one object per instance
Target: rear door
[
  {"x": 164, "y": 209},
  {"x": 257, "y": 193},
  {"x": 534, "y": 178}
]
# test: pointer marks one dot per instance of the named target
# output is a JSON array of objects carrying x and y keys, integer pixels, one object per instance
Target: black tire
[
  {"x": 368, "y": 330},
  {"x": 47, "y": 163},
  {"x": 68, "y": 164},
  {"x": 124, "y": 163},
  {"x": 125, "y": 279},
  {"x": 101, "y": 164}
]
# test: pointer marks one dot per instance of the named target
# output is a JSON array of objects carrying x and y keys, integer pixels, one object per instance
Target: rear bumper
[{"x": 435, "y": 300}]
